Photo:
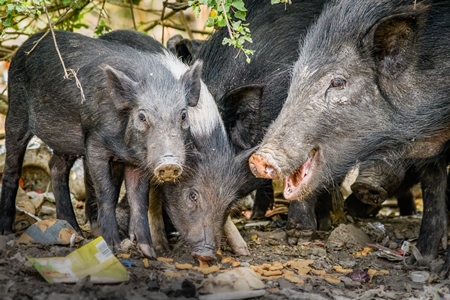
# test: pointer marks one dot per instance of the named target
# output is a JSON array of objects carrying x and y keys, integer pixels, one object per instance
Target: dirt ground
[{"x": 330, "y": 266}]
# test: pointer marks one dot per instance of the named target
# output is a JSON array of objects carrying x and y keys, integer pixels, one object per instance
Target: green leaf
[
  {"x": 274, "y": 1},
  {"x": 240, "y": 15},
  {"x": 239, "y": 4},
  {"x": 10, "y": 8},
  {"x": 210, "y": 22},
  {"x": 221, "y": 21}
]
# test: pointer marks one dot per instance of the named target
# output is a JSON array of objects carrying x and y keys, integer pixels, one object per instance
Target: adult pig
[
  {"x": 124, "y": 106},
  {"x": 249, "y": 97},
  {"x": 370, "y": 83}
]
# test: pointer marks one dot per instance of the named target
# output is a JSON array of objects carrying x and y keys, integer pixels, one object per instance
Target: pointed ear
[
  {"x": 241, "y": 116},
  {"x": 183, "y": 48},
  {"x": 193, "y": 83},
  {"x": 122, "y": 88},
  {"x": 392, "y": 39}
]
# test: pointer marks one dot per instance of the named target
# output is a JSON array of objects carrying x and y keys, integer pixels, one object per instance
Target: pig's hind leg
[{"x": 18, "y": 135}]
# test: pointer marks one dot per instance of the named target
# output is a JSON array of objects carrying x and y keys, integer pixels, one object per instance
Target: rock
[{"x": 347, "y": 236}]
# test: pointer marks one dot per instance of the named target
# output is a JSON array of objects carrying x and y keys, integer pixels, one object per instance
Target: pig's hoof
[
  {"x": 161, "y": 246},
  {"x": 241, "y": 251},
  {"x": 296, "y": 236},
  {"x": 369, "y": 194},
  {"x": 147, "y": 250},
  {"x": 204, "y": 256}
]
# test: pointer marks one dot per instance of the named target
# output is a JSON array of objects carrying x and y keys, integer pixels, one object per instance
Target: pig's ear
[
  {"x": 183, "y": 48},
  {"x": 392, "y": 39},
  {"x": 122, "y": 88},
  {"x": 241, "y": 107},
  {"x": 193, "y": 83}
]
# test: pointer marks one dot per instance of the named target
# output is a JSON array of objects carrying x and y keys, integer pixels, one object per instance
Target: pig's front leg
[
  {"x": 234, "y": 238},
  {"x": 156, "y": 221},
  {"x": 433, "y": 229},
  {"x": 98, "y": 163},
  {"x": 138, "y": 187}
]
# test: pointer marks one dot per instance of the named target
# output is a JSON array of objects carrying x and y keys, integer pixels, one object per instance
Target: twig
[
  {"x": 226, "y": 20},
  {"x": 162, "y": 23},
  {"x": 186, "y": 25},
  {"x": 132, "y": 15},
  {"x": 37, "y": 42},
  {"x": 159, "y": 22},
  {"x": 83, "y": 98},
  {"x": 100, "y": 13},
  {"x": 66, "y": 75},
  {"x": 184, "y": 29}
]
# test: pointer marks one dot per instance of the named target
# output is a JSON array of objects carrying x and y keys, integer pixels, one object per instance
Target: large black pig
[
  {"x": 249, "y": 97},
  {"x": 124, "y": 106},
  {"x": 370, "y": 83}
]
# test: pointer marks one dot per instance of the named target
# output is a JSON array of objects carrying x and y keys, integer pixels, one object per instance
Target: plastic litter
[{"x": 419, "y": 276}]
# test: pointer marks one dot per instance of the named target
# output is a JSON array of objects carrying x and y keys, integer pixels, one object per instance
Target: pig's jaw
[{"x": 295, "y": 183}]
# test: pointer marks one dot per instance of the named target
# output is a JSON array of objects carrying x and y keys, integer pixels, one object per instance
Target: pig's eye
[
  {"x": 193, "y": 196},
  {"x": 183, "y": 115},
  {"x": 338, "y": 83},
  {"x": 141, "y": 117}
]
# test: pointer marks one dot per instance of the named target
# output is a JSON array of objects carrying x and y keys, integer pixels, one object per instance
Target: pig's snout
[
  {"x": 168, "y": 169},
  {"x": 369, "y": 193},
  {"x": 205, "y": 253},
  {"x": 261, "y": 168}
]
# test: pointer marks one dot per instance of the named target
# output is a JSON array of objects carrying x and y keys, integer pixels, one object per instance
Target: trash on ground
[
  {"x": 238, "y": 280},
  {"x": 49, "y": 232},
  {"x": 419, "y": 276},
  {"x": 94, "y": 259}
]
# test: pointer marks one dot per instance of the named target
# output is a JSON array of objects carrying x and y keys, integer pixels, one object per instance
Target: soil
[{"x": 365, "y": 273}]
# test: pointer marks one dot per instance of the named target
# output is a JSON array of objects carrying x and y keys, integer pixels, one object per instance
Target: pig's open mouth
[{"x": 294, "y": 182}]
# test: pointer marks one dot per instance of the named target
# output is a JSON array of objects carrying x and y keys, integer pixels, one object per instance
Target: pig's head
[
  {"x": 199, "y": 203},
  {"x": 349, "y": 89},
  {"x": 156, "y": 96}
]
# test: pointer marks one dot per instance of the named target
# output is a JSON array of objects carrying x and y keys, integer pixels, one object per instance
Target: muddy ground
[
  {"x": 330, "y": 266},
  {"x": 337, "y": 264}
]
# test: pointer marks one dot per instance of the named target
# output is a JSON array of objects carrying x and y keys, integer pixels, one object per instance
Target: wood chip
[
  {"x": 339, "y": 269},
  {"x": 146, "y": 263},
  {"x": 294, "y": 279},
  {"x": 331, "y": 279},
  {"x": 219, "y": 252},
  {"x": 183, "y": 266},
  {"x": 288, "y": 272},
  {"x": 165, "y": 259},
  {"x": 265, "y": 266},
  {"x": 235, "y": 264},
  {"x": 203, "y": 264},
  {"x": 257, "y": 269},
  {"x": 208, "y": 270},
  {"x": 172, "y": 274},
  {"x": 273, "y": 290},
  {"x": 124, "y": 255},
  {"x": 226, "y": 259},
  {"x": 318, "y": 272},
  {"x": 272, "y": 273},
  {"x": 276, "y": 267}
]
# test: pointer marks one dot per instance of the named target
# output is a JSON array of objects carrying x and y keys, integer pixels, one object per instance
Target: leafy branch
[{"x": 221, "y": 16}]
